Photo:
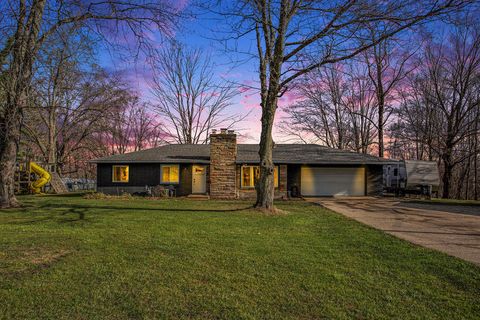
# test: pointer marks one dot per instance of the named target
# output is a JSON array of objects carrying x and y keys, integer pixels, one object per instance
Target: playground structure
[
  {"x": 45, "y": 177},
  {"x": 33, "y": 177}
]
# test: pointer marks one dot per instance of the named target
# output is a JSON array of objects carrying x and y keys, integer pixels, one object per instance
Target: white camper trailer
[{"x": 412, "y": 176}]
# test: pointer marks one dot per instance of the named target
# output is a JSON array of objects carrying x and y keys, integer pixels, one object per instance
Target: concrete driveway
[{"x": 457, "y": 234}]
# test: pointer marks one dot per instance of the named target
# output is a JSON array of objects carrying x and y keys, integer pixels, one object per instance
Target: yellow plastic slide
[{"x": 45, "y": 177}]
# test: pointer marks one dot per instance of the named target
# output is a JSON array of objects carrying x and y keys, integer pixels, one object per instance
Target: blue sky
[{"x": 201, "y": 32}]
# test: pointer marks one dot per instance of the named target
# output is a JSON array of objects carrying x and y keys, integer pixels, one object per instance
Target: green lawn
[{"x": 73, "y": 258}]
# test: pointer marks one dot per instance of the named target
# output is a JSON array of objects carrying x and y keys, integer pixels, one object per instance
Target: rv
[{"x": 411, "y": 177}]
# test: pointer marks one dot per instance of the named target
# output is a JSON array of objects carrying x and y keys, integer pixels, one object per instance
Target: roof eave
[
  {"x": 149, "y": 161},
  {"x": 255, "y": 162},
  {"x": 383, "y": 162}
]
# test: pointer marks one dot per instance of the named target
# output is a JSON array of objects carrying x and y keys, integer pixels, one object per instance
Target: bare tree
[
  {"x": 118, "y": 130},
  {"x": 146, "y": 130},
  {"x": 337, "y": 108},
  {"x": 189, "y": 95},
  {"x": 361, "y": 108},
  {"x": 321, "y": 114},
  {"x": 387, "y": 67},
  {"x": 29, "y": 24},
  {"x": 67, "y": 106},
  {"x": 57, "y": 73},
  {"x": 440, "y": 110},
  {"x": 414, "y": 131},
  {"x": 287, "y": 31},
  {"x": 130, "y": 126}
]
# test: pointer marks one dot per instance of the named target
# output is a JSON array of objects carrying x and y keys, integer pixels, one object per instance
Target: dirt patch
[
  {"x": 43, "y": 257},
  {"x": 271, "y": 212},
  {"x": 18, "y": 261}
]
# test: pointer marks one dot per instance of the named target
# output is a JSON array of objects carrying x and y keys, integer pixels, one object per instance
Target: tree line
[
  {"x": 59, "y": 105},
  {"x": 29, "y": 27},
  {"x": 403, "y": 101},
  {"x": 78, "y": 111}
]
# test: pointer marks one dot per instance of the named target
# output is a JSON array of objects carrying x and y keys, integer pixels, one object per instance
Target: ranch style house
[{"x": 224, "y": 169}]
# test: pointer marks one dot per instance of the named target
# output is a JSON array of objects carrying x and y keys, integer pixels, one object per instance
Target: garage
[{"x": 323, "y": 181}]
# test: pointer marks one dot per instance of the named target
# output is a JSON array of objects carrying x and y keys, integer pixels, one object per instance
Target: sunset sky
[
  {"x": 205, "y": 30},
  {"x": 202, "y": 31}
]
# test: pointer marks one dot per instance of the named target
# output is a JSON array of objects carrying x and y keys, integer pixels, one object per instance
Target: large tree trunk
[
  {"x": 475, "y": 159},
  {"x": 19, "y": 77},
  {"x": 265, "y": 186},
  {"x": 475, "y": 178},
  {"x": 447, "y": 174},
  {"x": 475, "y": 174},
  {"x": 52, "y": 136},
  {"x": 381, "y": 110},
  {"x": 10, "y": 131},
  {"x": 269, "y": 94},
  {"x": 380, "y": 100}
]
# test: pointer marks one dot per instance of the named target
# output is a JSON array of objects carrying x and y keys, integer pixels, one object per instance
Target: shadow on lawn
[
  {"x": 80, "y": 211},
  {"x": 53, "y": 216},
  {"x": 73, "y": 207},
  {"x": 52, "y": 210}
]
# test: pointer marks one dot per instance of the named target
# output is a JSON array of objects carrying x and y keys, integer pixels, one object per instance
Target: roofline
[
  {"x": 381, "y": 162},
  {"x": 148, "y": 161},
  {"x": 323, "y": 162}
]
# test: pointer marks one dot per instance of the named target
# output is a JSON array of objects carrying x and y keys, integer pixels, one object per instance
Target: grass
[{"x": 73, "y": 258}]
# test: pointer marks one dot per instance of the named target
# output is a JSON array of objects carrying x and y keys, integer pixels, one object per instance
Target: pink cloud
[
  {"x": 288, "y": 98},
  {"x": 250, "y": 100},
  {"x": 243, "y": 89}
]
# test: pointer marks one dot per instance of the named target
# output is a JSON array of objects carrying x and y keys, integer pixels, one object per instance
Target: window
[
  {"x": 169, "y": 173},
  {"x": 395, "y": 172},
  {"x": 120, "y": 174},
  {"x": 251, "y": 174}
]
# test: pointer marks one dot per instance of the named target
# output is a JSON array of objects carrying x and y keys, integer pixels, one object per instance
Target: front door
[{"x": 199, "y": 179}]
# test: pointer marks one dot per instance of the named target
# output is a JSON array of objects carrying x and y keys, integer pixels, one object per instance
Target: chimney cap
[{"x": 225, "y": 131}]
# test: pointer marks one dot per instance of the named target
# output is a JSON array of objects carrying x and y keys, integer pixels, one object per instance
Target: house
[{"x": 227, "y": 170}]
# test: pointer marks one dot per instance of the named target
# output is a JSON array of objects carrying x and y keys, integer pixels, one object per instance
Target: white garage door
[{"x": 333, "y": 181}]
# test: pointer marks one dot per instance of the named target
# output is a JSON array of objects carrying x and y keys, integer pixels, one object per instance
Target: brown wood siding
[
  {"x": 374, "y": 180},
  {"x": 293, "y": 177},
  {"x": 185, "y": 186}
]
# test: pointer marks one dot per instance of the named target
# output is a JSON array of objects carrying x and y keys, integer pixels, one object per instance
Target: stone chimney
[{"x": 223, "y": 154}]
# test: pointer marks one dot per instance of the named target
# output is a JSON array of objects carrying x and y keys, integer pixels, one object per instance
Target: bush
[
  {"x": 102, "y": 196},
  {"x": 159, "y": 192}
]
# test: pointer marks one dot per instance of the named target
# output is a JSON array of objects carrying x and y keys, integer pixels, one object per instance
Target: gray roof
[{"x": 246, "y": 153}]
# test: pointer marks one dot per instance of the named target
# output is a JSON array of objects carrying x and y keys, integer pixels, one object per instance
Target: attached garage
[{"x": 331, "y": 181}]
